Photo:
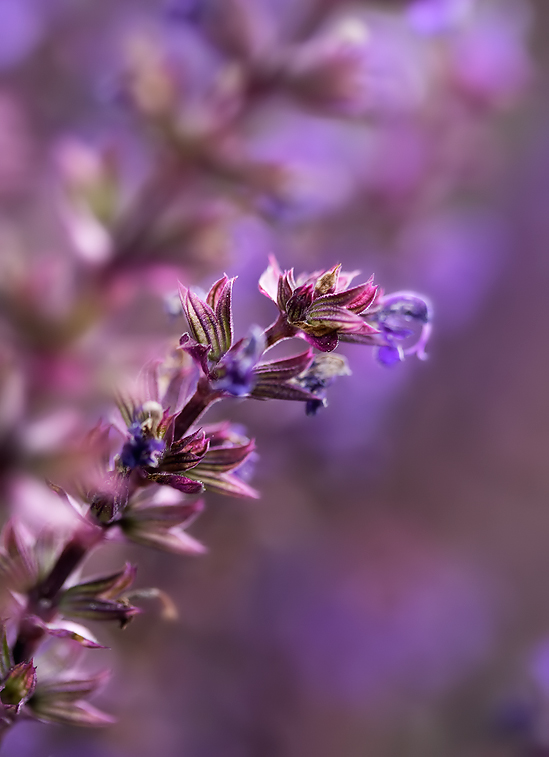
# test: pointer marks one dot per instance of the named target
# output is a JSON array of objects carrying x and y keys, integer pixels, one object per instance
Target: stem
[
  {"x": 154, "y": 198},
  {"x": 69, "y": 559},
  {"x": 195, "y": 407},
  {"x": 42, "y": 598},
  {"x": 278, "y": 331}
]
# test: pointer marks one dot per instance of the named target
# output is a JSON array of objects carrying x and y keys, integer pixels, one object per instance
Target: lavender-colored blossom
[
  {"x": 330, "y": 71},
  {"x": 22, "y": 23},
  {"x": 234, "y": 374},
  {"x": 437, "y": 16},
  {"x": 322, "y": 372},
  {"x": 141, "y": 449},
  {"x": 404, "y": 323}
]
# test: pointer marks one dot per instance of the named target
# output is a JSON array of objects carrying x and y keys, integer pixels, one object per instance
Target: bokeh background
[{"x": 387, "y": 595}]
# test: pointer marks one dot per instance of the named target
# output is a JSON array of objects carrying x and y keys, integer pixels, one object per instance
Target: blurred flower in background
[{"x": 386, "y": 594}]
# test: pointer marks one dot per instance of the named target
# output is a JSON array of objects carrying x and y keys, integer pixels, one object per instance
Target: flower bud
[{"x": 18, "y": 685}]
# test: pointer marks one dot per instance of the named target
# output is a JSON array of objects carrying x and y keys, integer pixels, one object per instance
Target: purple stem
[
  {"x": 203, "y": 397},
  {"x": 278, "y": 331},
  {"x": 42, "y": 598}
]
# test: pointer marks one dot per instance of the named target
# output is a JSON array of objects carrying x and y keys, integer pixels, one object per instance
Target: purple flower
[
  {"x": 202, "y": 458},
  {"x": 234, "y": 370},
  {"x": 319, "y": 375},
  {"x": 141, "y": 449},
  {"x": 330, "y": 70},
  {"x": 404, "y": 323},
  {"x": 234, "y": 374},
  {"x": 437, "y": 16}
]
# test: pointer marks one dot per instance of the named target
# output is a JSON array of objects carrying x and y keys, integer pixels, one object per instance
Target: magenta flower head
[
  {"x": 143, "y": 446},
  {"x": 235, "y": 369},
  {"x": 186, "y": 464},
  {"x": 319, "y": 306}
]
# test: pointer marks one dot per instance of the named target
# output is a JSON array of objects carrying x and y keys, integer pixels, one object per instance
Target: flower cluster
[
  {"x": 152, "y": 466},
  {"x": 262, "y": 116}
]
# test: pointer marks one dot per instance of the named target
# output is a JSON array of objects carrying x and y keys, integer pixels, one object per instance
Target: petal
[
  {"x": 198, "y": 352},
  {"x": 225, "y": 483},
  {"x": 185, "y": 453},
  {"x": 203, "y": 323},
  {"x": 286, "y": 287},
  {"x": 333, "y": 319},
  {"x": 369, "y": 338},
  {"x": 326, "y": 343},
  {"x": 226, "y": 458},
  {"x": 220, "y": 300},
  {"x": 92, "y": 608},
  {"x": 389, "y": 355},
  {"x": 70, "y": 690},
  {"x": 68, "y": 713},
  {"x": 328, "y": 281},
  {"x": 268, "y": 281},
  {"x": 271, "y": 389},
  {"x": 105, "y": 586},
  {"x": 181, "y": 483},
  {"x": 68, "y": 633},
  {"x": 356, "y": 299},
  {"x": 345, "y": 278},
  {"x": 168, "y": 515},
  {"x": 286, "y": 368},
  {"x": 173, "y": 540}
]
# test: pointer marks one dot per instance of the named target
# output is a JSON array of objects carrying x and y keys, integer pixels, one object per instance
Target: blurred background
[{"x": 387, "y": 595}]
